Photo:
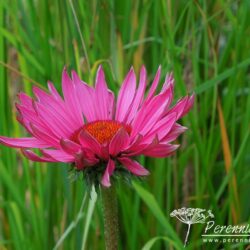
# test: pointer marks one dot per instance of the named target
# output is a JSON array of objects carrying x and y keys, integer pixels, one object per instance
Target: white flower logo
[{"x": 191, "y": 216}]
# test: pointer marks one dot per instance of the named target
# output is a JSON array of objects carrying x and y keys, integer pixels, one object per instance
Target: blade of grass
[
  {"x": 228, "y": 164},
  {"x": 150, "y": 201}
]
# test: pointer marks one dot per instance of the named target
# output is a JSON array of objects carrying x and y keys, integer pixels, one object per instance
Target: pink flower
[{"x": 88, "y": 127}]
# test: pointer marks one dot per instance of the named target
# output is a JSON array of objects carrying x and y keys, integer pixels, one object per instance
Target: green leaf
[
  {"x": 152, "y": 241},
  {"x": 152, "y": 204},
  {"x": 219, "y": 78}
]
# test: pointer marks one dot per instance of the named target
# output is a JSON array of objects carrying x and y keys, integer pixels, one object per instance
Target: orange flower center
[{"x": 102, "y": 131}]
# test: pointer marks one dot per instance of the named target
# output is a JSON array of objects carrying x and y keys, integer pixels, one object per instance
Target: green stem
[{"x": 110, "y": 214}]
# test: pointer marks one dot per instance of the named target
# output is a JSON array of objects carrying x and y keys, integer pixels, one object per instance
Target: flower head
[
  {"x": 192, "y": 215},
  {"x": 90, "y": 128}
]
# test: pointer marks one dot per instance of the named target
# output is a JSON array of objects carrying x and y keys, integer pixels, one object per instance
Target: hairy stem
[{"x": 110, "y": 214}]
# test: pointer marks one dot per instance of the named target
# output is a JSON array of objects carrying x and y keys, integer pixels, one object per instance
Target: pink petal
[
  {"x": 30, "y": 116},
  {"x": 111, "y": 106},
  {"x": 90, "y": 158},
  {"x": 89, "y": 142},
  {"x": 180, "y": 106},
  {"x": 70, "y": 96},
  {"x": 56, "y": 123},
  {"x": 41, "y": 95},
  {"x": 44, "y": 135},
  {"x": 24, "y": 123},
  {"x": 119, "y": 142},
  {"x": 79, "y": 160},
  {"x": 183, "y": 106},
  {"x": 102, "y": 96},
  {"x": 83, "y": 160},
  {"x": 126, "y": 96},
  {"x": 153, "y": 86},
  {"x": 174, "y": 133},
  {"x": 189, "y": 105},
  {"x": 138, "y": 148},
  {"x": 58, "y": 104},
  {"x": 133, "y": 166},
  {"x": 168, "y": 87},
  {"x": 70, "y": 147},
  {"x": 55, "y": 105},
  {"x": 87, "y": 96},
  {"x": 161, "y": 128},
  {"x": 149, "y": 114},
  {"x": 58, "y": 155},
  {"x": 54, "y": 92},
  {"x": 108, "y": 172},
  {"x": 34, "y": 157},
  {"x": 169, "y": 82},
  {"x": 23, "y": 142},
  {"x": 76, "y": 79},
  {"x": 135, "y": 143},
  {"x": 139, "y": 95},
  {"x": 25, "y": 99},
  {"x": 160, "y": 150}
]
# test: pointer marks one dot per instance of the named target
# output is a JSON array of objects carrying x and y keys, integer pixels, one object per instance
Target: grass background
[{"x": 205, "y": 43}]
